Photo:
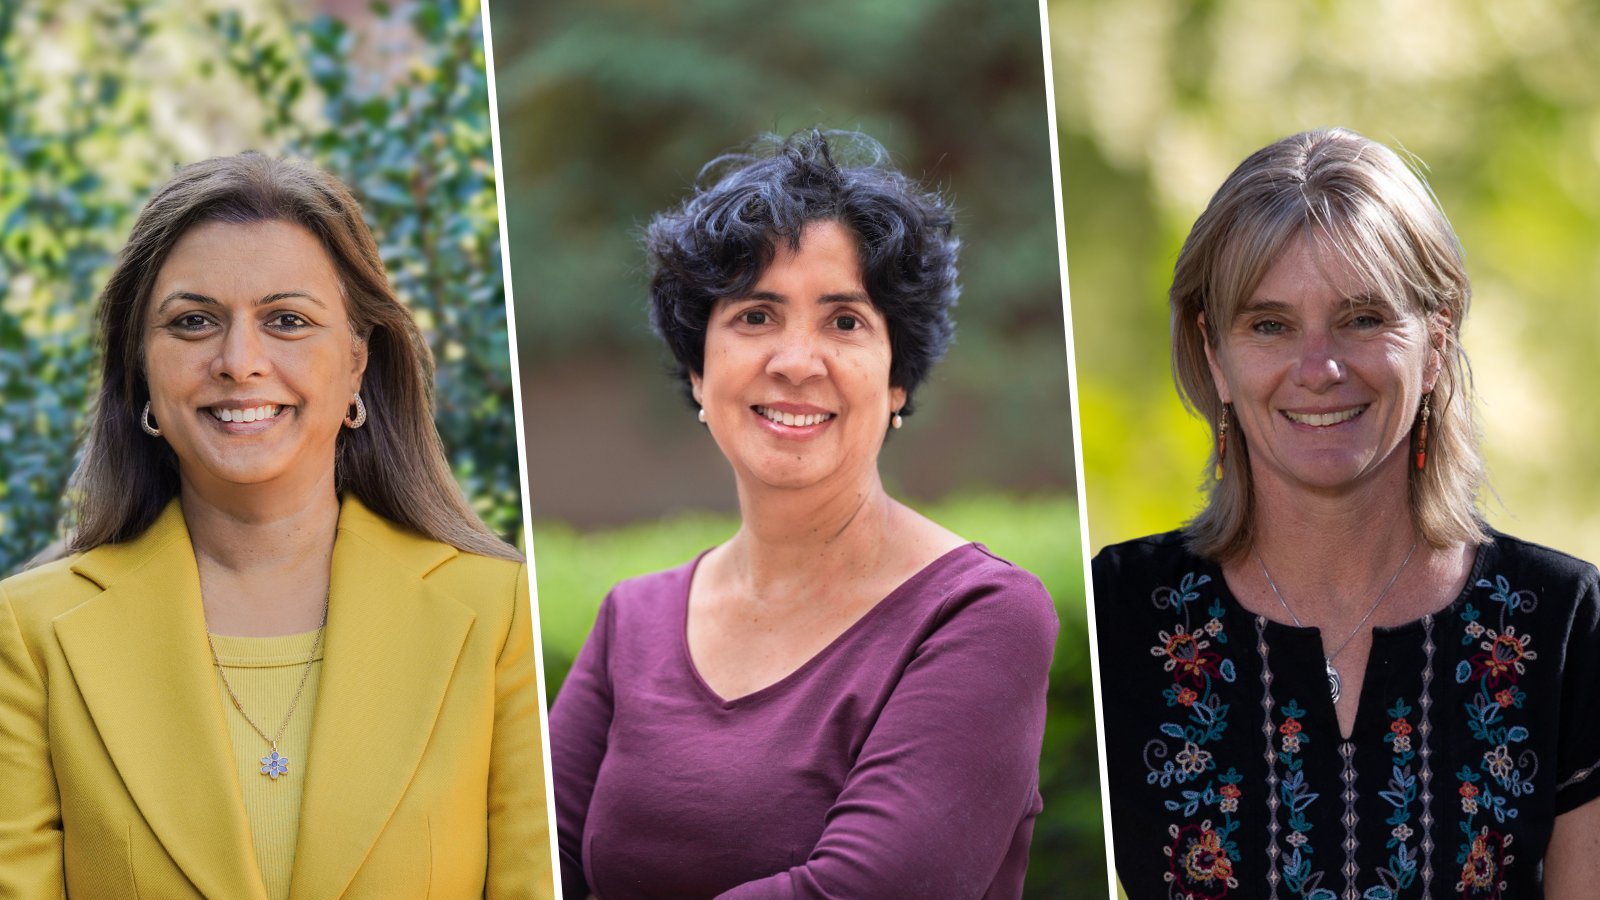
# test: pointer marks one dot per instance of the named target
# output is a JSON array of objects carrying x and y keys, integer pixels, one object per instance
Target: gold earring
[{"x": 1222, "y": 439}]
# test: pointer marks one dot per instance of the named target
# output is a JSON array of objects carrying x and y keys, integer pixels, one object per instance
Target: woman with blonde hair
[
  {"x": 1337, "y": 680},
  {"x": 285, "y": 659}
]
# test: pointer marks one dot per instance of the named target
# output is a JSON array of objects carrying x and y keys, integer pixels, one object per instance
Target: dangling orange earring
[
  {"x": 1222, "y": 439},
  {"x": 1422, "y": 434}
]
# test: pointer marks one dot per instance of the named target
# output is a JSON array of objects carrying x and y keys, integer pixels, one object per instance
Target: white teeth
[
  {"x": 255, "y": 414},
  {"x": 1323, "y": 419},
  {"x": 792, "y": 420}
]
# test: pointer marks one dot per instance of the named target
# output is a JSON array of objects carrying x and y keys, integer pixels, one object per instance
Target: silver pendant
[
  {"x": 1333, "y": 680},
  {"x": 274, "y": 764}
]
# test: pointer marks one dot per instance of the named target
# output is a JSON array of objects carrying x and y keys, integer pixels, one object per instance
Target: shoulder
[
  {"x": 652, "y": 596},
  {"x": 1561, "y": 584},
  {"x": 34, "y": 598},
  {"x": 493, "y": 588},
  {"x": 1505, "y": 553},
  {"x": 1135, "y": 582},
  {"x": 976, "y": 598},
  {"x": 1143, "y": 564},
  {"x": 972, "y": 573}
]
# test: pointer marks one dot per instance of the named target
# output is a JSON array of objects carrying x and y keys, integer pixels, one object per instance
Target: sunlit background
[{"x": 1500, "y": 99}]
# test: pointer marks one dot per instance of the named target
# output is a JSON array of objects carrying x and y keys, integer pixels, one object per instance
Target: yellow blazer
[{"x": 423, "y": 774}]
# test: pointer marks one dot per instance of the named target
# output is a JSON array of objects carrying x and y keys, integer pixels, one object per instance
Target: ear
[
  {"x": 358, "y": 364},
  {"x": 1217, "y": 377},
  {"x": 694, "y": 386},
  {"x": 897, "y": 399},
  {"x": 1438, "y": 337}
]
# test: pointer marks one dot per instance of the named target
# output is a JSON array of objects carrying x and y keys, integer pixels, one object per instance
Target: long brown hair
[
  {"x": 1378, "y": 214},
  {"x": 395, "y": 464}
]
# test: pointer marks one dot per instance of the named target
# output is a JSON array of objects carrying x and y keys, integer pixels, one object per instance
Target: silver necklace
[
  {"x": 1328, "y": 658},
  {"x": 273, "y": 764}
]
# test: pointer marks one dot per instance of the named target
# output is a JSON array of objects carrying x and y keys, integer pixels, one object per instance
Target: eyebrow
[
  {"x": 1365, "y": 298},
  {"x": 193, "y": 297},
  {"x": 837, "y": 297}
]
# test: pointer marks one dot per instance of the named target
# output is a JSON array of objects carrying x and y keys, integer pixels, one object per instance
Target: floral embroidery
[
  {"x": 1403, "y": 837},
  {"x": 1402, "y": 790},
  {"x": 1201, "y": 855},
  {"x": 1200, "y": 865},
  {"x": 1483, "y": 864},
  {"x": 1503, "y": 775},
  {"x": 1297, "y": 796}
]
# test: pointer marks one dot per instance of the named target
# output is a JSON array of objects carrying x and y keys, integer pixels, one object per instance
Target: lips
[
  {"x": 1325, "y": 419},
  {"x": 792, "y": 419}
]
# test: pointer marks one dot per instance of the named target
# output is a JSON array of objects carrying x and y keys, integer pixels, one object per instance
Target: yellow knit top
[{"x": 264, "y": 672}]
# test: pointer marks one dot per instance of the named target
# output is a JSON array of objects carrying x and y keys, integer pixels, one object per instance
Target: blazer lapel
[
  {"x": 138, "y": 656},
  {"x": 391, "y": 647}
]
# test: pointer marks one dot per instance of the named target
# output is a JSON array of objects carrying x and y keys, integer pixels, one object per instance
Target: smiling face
[
  {"x": 249, "y": 357},
  {"x": 796, "y": 380},
  {"x": 1324, "y": 376}
]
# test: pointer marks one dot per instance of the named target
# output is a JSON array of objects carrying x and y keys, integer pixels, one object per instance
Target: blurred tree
[
  {"x": 609, "y": 110},
  {"x": 406, "y": 126}
]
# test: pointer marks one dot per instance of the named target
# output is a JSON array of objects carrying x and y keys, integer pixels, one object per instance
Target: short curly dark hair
[{"x": 718, "y": 242}]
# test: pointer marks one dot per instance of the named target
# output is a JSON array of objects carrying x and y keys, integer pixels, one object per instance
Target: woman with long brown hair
[{"x": 284, "y": 659}]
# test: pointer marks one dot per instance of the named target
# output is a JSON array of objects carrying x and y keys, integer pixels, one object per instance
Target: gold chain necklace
[
  {"x": 1334, "y": 683},
  {"x": 273, "y": 764}
]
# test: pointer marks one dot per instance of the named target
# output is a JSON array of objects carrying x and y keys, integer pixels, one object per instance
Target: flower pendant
[
  {"x": 274, "y": 764},
  {"x": 1333, "y": 680}
]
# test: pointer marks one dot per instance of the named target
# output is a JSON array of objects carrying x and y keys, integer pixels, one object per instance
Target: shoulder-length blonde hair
[
  {"x": 395, "y": 464},
  {"x": 1367, "y": 205}
]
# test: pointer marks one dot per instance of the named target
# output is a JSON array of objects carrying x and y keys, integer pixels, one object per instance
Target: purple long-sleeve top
[{"x": 900, "y": 761}]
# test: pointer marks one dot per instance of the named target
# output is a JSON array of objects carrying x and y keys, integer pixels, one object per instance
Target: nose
[
  {"x": 242, "y": 354},
  {"x": 1320, "y": 365},
  {"x": 795, "y": 357}
]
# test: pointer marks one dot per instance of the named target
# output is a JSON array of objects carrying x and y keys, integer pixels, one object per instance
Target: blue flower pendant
[{"x": 274, "y": 765}]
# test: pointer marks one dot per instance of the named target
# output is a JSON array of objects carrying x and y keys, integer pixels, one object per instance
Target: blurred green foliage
[
  {"x": 609, "y": 109},
  {"x": 1159, "y": 99},
  {"x": 95, "y": 110},
  {"x": 1039, "y": 533}
]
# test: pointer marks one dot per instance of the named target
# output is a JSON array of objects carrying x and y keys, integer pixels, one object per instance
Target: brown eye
[
  {"x": 754, "y": 317},
  {"x": 191, "y": 322},
  {"x": 847, "y": 323},
  {"x": 288, "y": 322}
]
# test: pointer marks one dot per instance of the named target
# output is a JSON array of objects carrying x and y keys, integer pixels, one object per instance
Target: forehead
[
  {"x": 1316, "y": 268},
  {"x": 827, "y": 250},
  {"x": 233, "y": 262}
]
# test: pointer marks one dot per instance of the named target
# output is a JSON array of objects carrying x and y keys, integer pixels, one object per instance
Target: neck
[
  {"x": 1334, "y": 550},
  {"x": 263, "y": 553},
  {"x": 805, "y": 536}
]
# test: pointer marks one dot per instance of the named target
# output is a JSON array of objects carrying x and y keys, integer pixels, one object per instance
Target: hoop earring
[
  {"x": 361, "y": 415},
  {"x": 1422, "y": 433},
  {"x": 144, "y": 422},
  {"x": 1222, "y": 439},
  {"x": 895, "y": 421}
]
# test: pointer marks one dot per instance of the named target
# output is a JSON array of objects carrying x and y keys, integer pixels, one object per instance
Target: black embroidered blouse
[{"x": 1476, "y": 727}]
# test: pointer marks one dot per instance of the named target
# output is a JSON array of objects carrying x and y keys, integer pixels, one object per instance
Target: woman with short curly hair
[{"x": 844, "y": 699}]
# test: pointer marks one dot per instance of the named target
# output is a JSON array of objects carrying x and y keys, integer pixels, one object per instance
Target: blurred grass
[{"x": 1038, "y": 532}]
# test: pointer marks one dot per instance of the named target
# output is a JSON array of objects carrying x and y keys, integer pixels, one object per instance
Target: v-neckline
[
  {"x": 1324, "y": 702},
  {"x": 816, "y": 659}
]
